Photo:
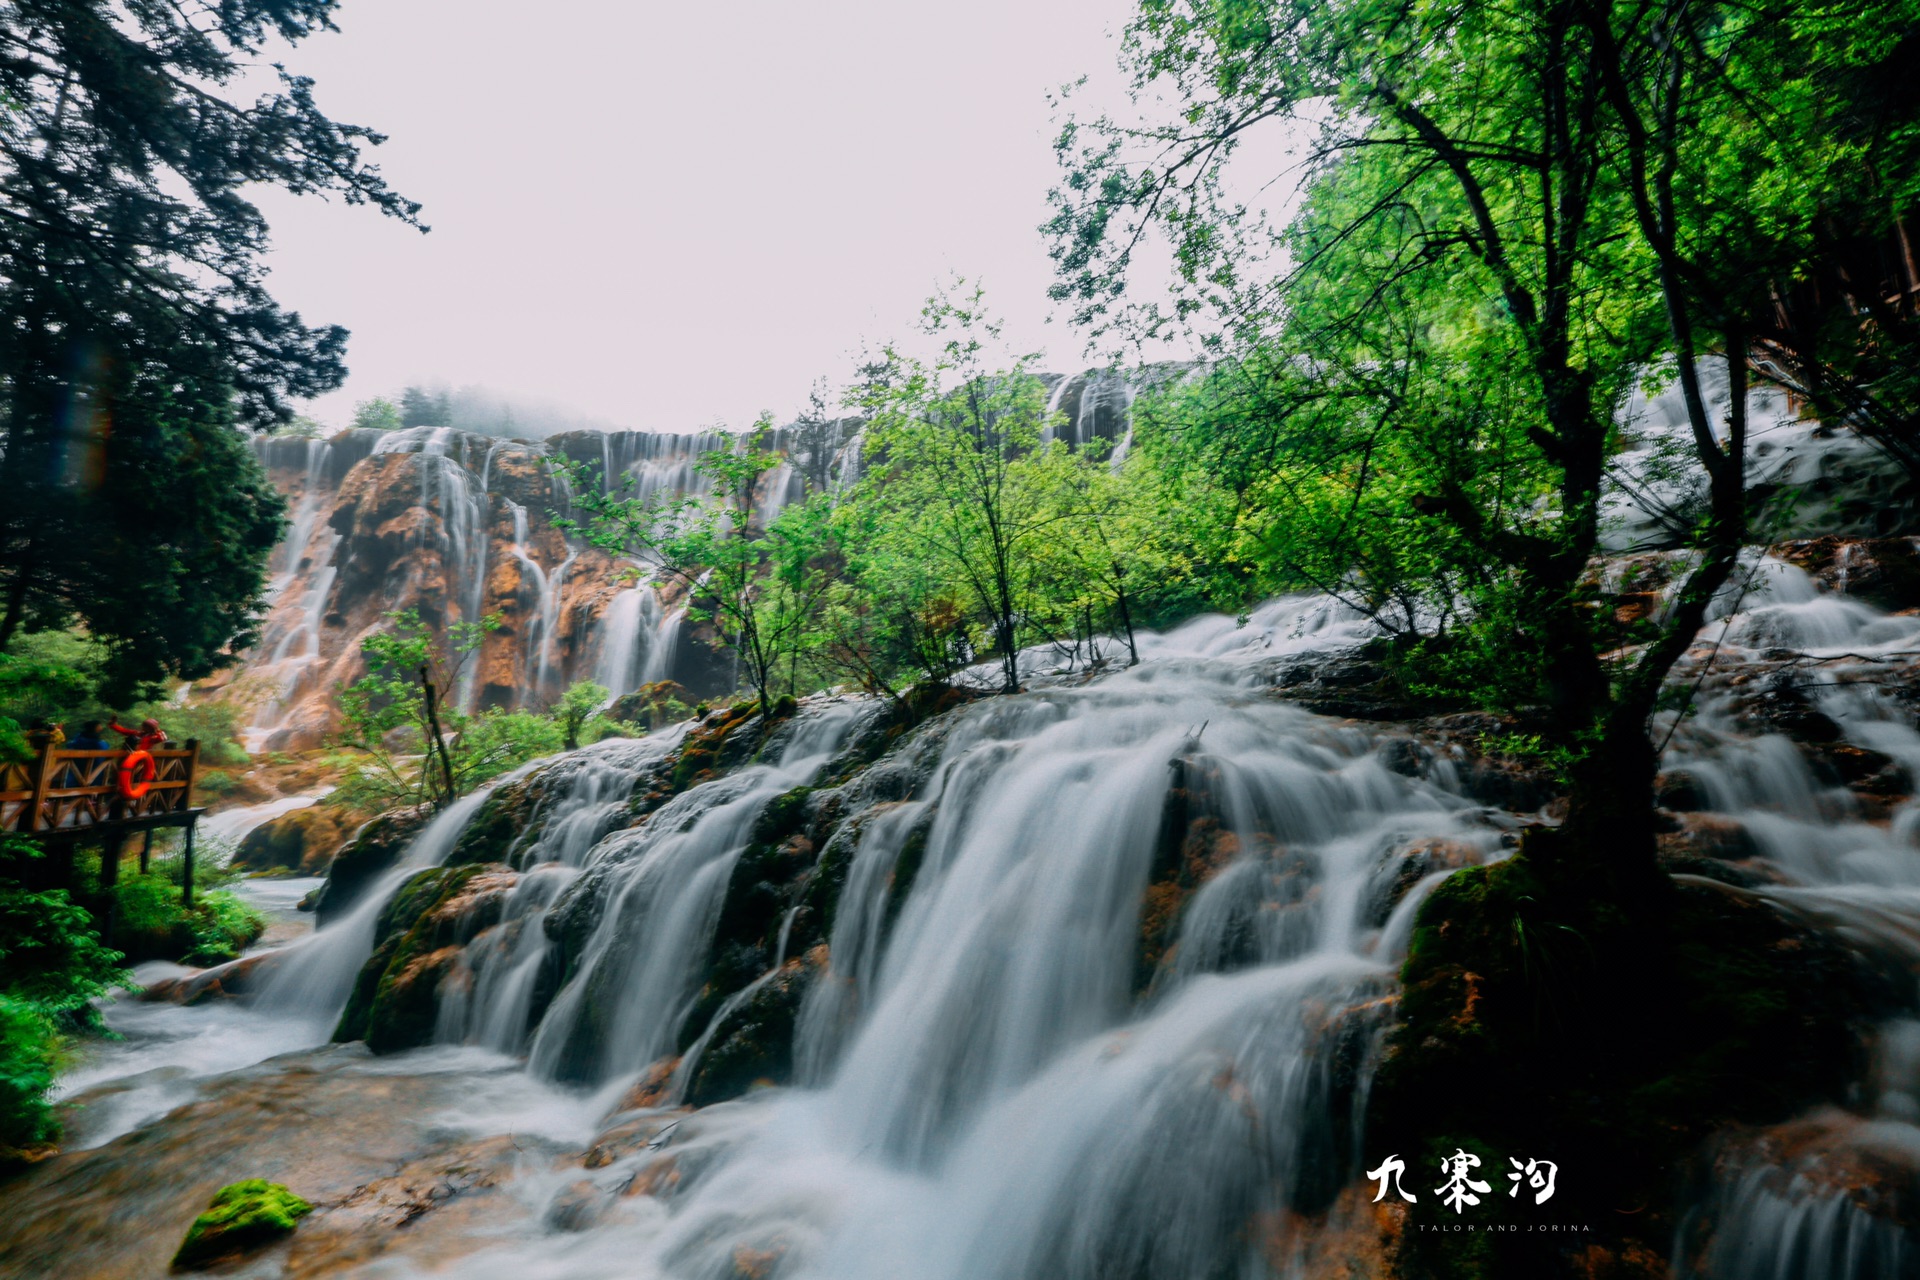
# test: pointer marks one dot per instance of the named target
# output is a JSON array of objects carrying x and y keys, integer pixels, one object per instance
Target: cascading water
[
  {"x": 1801, "y": 1216},
  {"x": 663, "y": 886},
  {"x": 995, "y": 1005}
]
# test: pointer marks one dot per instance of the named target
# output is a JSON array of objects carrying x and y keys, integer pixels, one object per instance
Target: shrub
[
  {"x": 29, "y": 1056},
  {"x": 151, "y": 923}
]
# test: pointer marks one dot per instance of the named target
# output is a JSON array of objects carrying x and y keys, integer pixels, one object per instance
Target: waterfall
[
  {"x": 490, "y": 995},
  {"x": 313, "y": 981},
  {"x": 1806, "y": 1214},
  {"x": 981, "y": 994},
  {"x": 663, "y": 888},
  {"x": 291, "y": 639}
]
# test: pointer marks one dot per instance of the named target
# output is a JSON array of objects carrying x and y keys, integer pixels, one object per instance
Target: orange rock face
[{"x": 457, "y": 527}]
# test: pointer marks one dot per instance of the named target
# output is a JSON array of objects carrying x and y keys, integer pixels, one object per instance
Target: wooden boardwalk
[{"x": 62, "y": 797}]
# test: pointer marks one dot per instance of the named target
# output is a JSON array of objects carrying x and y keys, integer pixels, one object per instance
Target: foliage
[
  {"x": 151, "y": 921},
  {"x": 761, "y": 583},
  {"x": 377, "y": 414},
  {"x": 51, "y": 955},
  {"x": 140, "y": 334},
  {"x": 1511, "y": 218},
  {"x": 576, "y": 708},
  {"x": 51, "y": 964},
  {"x": 242, "y": 1216},
  {"x": 30, "y": 1053},
  {"x": 401, "y": 718},
  {"x": 406, "y": 743},
  {"x": 422, "y": 408}
]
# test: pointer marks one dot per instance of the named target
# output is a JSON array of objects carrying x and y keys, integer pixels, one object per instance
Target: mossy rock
[
  {"x": 244, "y": 1216},
  {"x": 753, "y": 1044},
  {"x": 495, "y": 830},
  {"x": 1612, "y": 1032},
  {"x": 375, "y": 848},
  {"x": 417, "y": 939}
]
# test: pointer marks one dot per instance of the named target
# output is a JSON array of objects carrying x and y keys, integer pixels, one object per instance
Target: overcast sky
[{"x": 667, "y": 215}]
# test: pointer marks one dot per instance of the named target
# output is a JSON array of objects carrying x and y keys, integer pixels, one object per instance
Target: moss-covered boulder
[
  {"x": 1544, "y": 1015},
  {"x": 374, "y": 850},
  {"x": 752, "y": 1044},
  {"x": 303, "y": 840},
  {"x": 244, "y": 1216},
  {"x": 418, "y": 942}
]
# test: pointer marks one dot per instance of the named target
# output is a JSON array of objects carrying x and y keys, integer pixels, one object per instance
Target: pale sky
[{"x": 668, "y": 215}]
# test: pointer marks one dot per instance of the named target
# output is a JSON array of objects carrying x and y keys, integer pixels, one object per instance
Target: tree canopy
[{"x": 139, "y": 334}]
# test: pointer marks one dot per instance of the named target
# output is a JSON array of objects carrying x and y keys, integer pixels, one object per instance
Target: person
[
  {"x": 88, "y": 739},
  {"x": 45, "y": 735},
  {"x": 148, "y": 736}
]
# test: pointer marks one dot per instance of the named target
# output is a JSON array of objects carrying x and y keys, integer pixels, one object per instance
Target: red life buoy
[{"x": 140, "y": 762}]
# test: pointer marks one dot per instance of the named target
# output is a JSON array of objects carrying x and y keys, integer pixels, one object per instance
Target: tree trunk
[{"x": 439, "y": 741}]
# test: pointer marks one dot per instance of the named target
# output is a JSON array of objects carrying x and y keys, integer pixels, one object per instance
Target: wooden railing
[{"x": 65, "y": 793}]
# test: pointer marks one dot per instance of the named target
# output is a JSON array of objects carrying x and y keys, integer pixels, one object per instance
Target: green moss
[
  {"x": 384, "y": 1008},
  {"x": 498, "y": 825},
  {"x": 242, "y": 1217}
]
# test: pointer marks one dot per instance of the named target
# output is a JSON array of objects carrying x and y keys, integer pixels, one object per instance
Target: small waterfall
[
  {"x": 1814, "y": 1213},
  {"x": 662, "y": 892},
  {"x": 313, "y": 981},
  {"x": 627, "y": 633},
  {"x": 489, "y": 999}
]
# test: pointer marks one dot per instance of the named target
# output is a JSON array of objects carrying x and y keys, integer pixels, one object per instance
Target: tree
[
  {"x": 761, "y": 586},
  {"x": 422, "y": 408},
  {"x": 402, "y": 706},
  {"x": 1512, "y": 216},
  {"x": 377, "y": 414},
  {"x": 140, "y": 333},
  {"x": 949, "y": 473},
  {"x": 577, "y": 707}
]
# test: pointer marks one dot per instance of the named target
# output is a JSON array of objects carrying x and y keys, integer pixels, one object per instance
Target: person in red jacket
[{"x": 148, "y": 736}]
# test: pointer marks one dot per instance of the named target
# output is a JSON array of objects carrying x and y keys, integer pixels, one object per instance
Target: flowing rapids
[
  {"x": 1793, "y": 1218},
  {"x": 993, "y": 1081}
]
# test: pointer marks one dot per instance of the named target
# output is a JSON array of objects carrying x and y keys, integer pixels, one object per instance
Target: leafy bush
[
  {"x": 49, "y": 953},
  {"x": 151, "y": 923},
  {"x": 29, "y": 1056},
  {"x": 215, "y": 783}
]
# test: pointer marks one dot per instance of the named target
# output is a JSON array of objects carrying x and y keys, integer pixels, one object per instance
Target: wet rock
[
  {"x": 1678, "y": 791},
  {"x": 303, "y": 840},
  {"x": 504, "y": 822},
  {"x": 1884, "y": 572},
  {"x": 324, "y": 1123},
  {"x": 752, "y": 1043},
  {"x": 1403, "y": 868},
  {"x": 242, "y": 977},
  {"x": 1192, "y": 847},
  {"x": 243, "y": 1217},
  {"x": 1708, "y": 835},
  {"x": 578, "y": 1206},
  {"x": 374, "y": 850},
  {"x": 418, "y": 941}
]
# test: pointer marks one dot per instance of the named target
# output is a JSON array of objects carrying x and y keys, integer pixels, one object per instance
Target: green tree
[
  {"x": 950, "y": 490},
  {"x": 140, "y": 334},
  {"x": 377, "y": 414},
  {"x": 400, "y": 716},
  {"x": 762, "y": 585},
  {"x": 577, "y": 708},
  {"x": 1513, "y": 216}
]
